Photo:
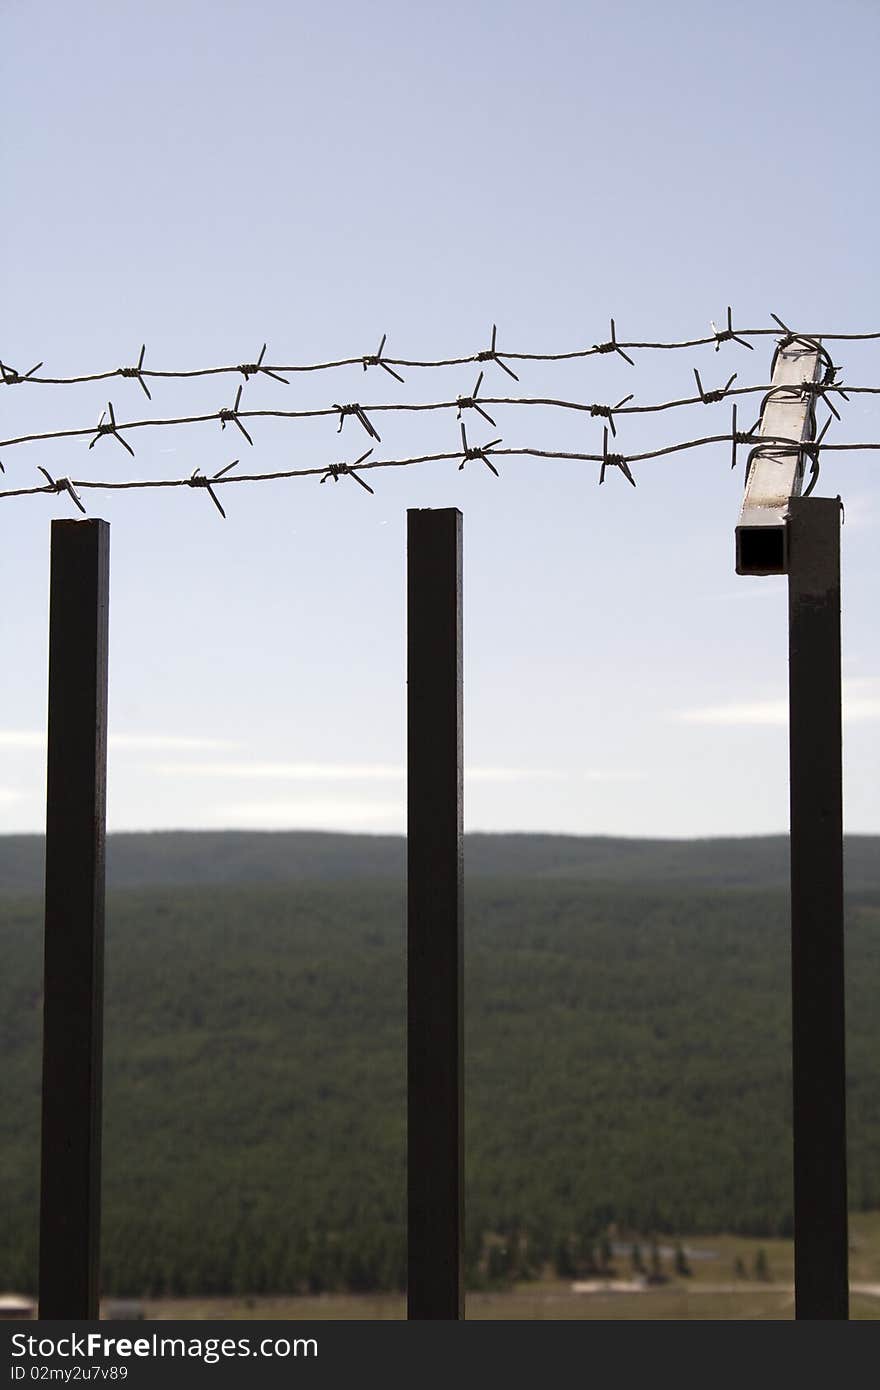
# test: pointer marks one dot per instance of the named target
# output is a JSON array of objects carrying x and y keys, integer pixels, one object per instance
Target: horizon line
[{"x": 402, "y": 835}]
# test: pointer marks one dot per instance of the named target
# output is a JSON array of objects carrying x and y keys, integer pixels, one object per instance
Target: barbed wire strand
[
  {"x": 74, "y": 486},
  {"x": 9, "y": 376},
  {"x": 362, "y": 412}
]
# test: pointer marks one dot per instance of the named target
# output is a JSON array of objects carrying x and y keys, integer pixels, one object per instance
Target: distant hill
[
  {"x": 627, "y": 1034},
  {"x": 214, "y": 858}
]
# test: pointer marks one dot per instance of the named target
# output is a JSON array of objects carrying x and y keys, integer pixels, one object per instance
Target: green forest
[{"x": 627, "y": 1054}]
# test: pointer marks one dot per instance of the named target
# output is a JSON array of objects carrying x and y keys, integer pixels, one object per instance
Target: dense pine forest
[{"x": 627, "y": 1053}]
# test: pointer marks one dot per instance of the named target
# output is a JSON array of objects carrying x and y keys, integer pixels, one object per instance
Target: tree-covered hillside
[
  {"x": 627, "y": 1059},
  {"x": 201, "y": 857}
]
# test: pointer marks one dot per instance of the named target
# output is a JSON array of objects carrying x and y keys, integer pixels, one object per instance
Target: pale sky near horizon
[{"x": 204, "y": 177}]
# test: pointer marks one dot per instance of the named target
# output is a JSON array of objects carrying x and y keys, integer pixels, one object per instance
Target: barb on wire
[
  {"x": 607, "y": 411},
  {"x": 358, "y": 412},
  {"x": 341, "y": 470},
  {"x": 613, "y": 461},
  {"x": 198, "y": 479},
  {"x": 249, "y": 369},
  {"x": 710, "y": 397},
  {"x": 613, "y": 346},
  {"x": 471, "y": 403},
  {"x": 62, "y": 485},
  {"x": 813, "y": 344},
  {"x": 740, "y": 437},
  {"x": 13, "y": 378},
  {"x": 376, "y": 360},
  {"x": 814, "y": 390},
  {"x": 727, "y": 335},
  {"x": 778, "y": 449},
  {"x": 229, "y": 415},
  {"x": 818, "y": 390},
  {"x": 110, "y": 427},
  {"x": 137, "y": 372},
  {"x": 811, "y": 448},
  {"x": 734, "y": 438},
  {"x": 481, "y": 452},
  {"x": 490, "y": 354}
]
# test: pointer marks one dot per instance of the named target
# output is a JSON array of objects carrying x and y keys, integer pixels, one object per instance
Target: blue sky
[{"x": 206, "y": 177}]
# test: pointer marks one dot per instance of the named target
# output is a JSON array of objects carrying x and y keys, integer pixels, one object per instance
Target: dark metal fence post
[
  {"x": 70, "y": 1194},
  {"x": 434, "y": 915},
  {"x": 819, "y": 1115}
]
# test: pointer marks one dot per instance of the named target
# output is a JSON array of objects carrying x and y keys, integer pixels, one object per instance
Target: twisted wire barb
[
  {"x": 613, "y": 346},
  {"x": 110, "y": 427},
  {"x": 377, "y": 360},
  {"x": 359, "y": 413},
  {"x": 471, "y": 403},
  {"x": 62, "y": 485},
  {"x": 138, "y": 372},
  {"x": 198, "y": 479},
  {"x": 11, "y": 377},
  {"x": 342, "y": 470},
  {"x": 249, "y": 369},
  {"x": 229, "y": 415},
  {"x": 490, "y": 354},
  {"x": 479, "y": 452}
]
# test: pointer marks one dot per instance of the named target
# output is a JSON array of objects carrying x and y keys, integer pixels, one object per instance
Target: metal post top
[{"x": 437, "y": 511}]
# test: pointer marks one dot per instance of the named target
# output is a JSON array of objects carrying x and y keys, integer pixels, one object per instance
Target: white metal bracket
[{"x": 775, "y": 469}]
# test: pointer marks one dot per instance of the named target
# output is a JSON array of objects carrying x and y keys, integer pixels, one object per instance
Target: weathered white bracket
[{"x": 775, "y": 470}]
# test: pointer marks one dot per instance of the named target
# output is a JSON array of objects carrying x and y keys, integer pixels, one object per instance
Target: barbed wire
[
  {"x": 74, "y": 486},
  {"x": 109, "y": 425},
  {"x": 9, "y": 376},
  {"x": 814, "y": 391}
]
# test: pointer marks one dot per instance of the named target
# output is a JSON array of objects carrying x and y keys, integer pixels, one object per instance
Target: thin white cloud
[
  {"x": 743, "y": 712},
  {"x": 242, "y": 770},
  {"x": 157, "y": 742},
  {"x": 614, "y": 776},
  {"x": 526, "y": 774},
  {"x": 861, "y": 703},
  {"x": 342, "y": 772},
  {"x": 307, "y": 772},
  {"x": 36, "y": 738},
  {"x": 513, "y": 774}
]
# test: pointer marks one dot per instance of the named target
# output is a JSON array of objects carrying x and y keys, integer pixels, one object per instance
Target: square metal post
[
  {"x": 435, "y": 1128},
  {"x": 70, "y": 1190},
  {"x": 817, "y": 946}
]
